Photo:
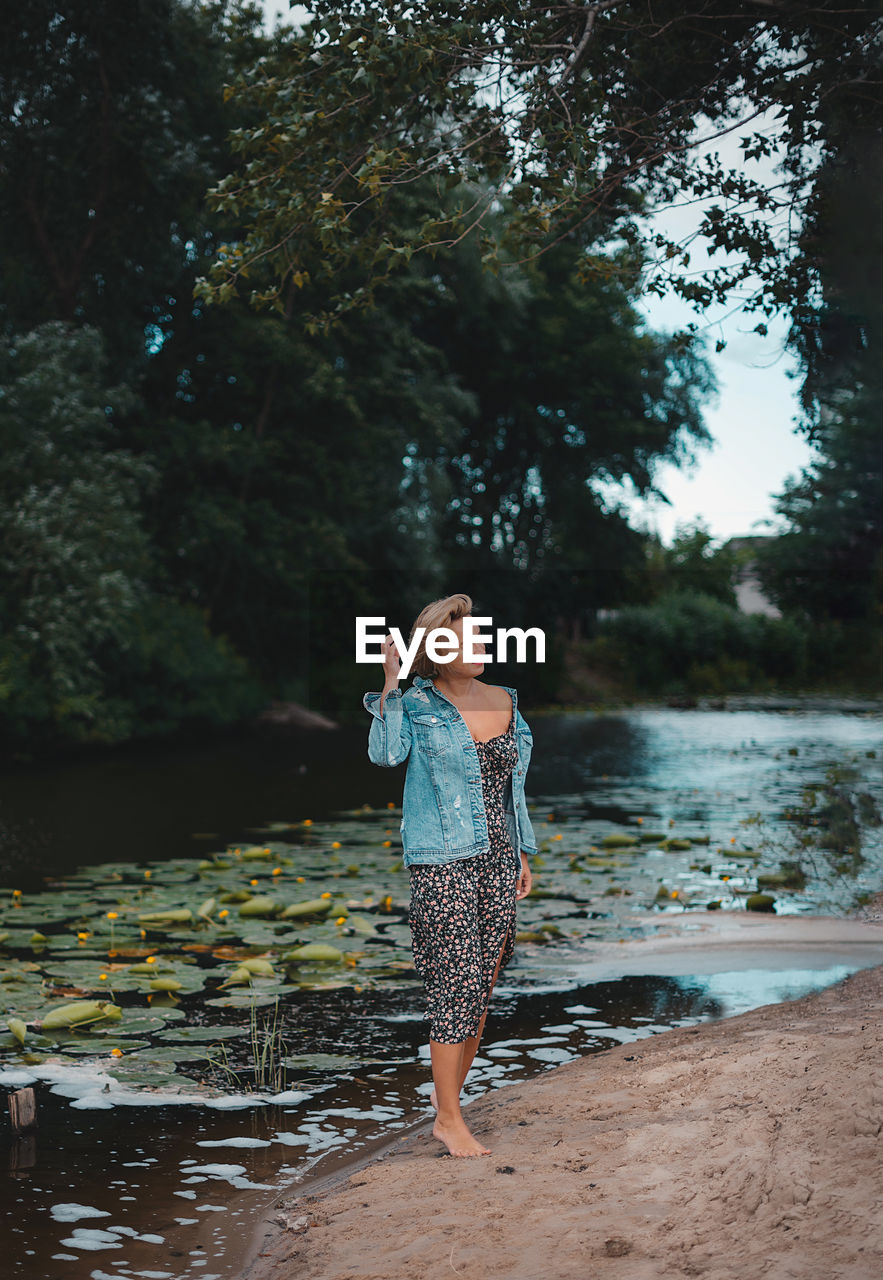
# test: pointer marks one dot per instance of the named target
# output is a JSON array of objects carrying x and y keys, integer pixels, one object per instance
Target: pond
[{"x": 236, "y": 914}]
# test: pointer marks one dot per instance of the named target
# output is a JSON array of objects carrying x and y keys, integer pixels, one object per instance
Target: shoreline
[
  {"x": 704, "y": 1116},
  {"x": 827, "y": 703}
]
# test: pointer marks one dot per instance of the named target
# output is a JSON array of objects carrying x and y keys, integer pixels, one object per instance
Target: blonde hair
[{"x": 440, "y": 613}]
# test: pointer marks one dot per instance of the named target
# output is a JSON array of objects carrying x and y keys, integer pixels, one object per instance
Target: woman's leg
[
  {"x": 450, "y": 1127},
  {"x": 469, "y": 1047},
  {"x": 447, "y": 955},
  {"x": 450, "y": 1067}
]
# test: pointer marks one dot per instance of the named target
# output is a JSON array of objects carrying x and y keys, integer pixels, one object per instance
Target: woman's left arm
[{"x": 525, "y": 879}]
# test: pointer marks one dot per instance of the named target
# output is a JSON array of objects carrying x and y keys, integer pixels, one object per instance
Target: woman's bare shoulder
[{"x": 500, "y": 697}]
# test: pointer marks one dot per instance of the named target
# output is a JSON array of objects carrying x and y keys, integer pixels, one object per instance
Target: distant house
[{"x": 749, "y": 593}]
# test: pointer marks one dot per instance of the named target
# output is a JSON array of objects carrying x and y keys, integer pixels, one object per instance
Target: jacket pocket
[{"x": 431, "y": 733}]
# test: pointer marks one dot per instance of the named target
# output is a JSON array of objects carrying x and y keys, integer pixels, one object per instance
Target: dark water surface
[{"x": 174, "y": 1191}]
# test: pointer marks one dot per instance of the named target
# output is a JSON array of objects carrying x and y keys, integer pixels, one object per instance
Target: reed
[{"x": 265, "y": 1070}]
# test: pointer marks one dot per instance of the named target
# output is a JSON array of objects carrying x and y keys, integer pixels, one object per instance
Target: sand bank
[{"x": 747, "y": 1145}]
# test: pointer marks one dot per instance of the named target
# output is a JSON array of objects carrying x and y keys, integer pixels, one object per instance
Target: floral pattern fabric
[{"x": 462, "y": 913}]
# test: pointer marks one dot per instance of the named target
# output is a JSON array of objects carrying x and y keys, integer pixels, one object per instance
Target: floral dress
[{"x": 462, "y": 913}]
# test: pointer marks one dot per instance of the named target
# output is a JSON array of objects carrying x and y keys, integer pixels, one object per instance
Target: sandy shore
[{"x": 746, "y": 1146}]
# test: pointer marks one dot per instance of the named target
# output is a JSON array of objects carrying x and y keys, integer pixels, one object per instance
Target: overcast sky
[{"x": 730, "y": 486}]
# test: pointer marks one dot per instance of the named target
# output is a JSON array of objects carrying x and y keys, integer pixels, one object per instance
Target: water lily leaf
[
  {"x": 18, "y": 1029},
  {"x": 143, "y": 1020},
  {"x": 239, "y": 977},
  {"x": 81, "y": 1013},
  {"x": 178, "y": 915},
  {"x": 362, "y": 924},
  {"x": 200, "y": 1034},
  {"x": 253, "y": 999},
  {"x": 314, "y": 951},
  {"x": 261, "y": 905},
  {"x": 311, "y": 907},
  {"x": 259, "y": 967}
]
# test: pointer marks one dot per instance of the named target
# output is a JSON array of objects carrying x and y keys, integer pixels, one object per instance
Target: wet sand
[{"x": 746, "y": 1145}]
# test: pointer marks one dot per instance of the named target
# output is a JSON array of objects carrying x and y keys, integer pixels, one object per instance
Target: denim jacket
[{"x": 443, "y": 813}]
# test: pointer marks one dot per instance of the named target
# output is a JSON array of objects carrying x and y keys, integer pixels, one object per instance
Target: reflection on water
[
  {"x": 153, "y": 801},
  {"x": 177, "y": 1192}
]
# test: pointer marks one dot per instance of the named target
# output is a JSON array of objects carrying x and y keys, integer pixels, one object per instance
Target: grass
[{"x": 265, "y": 1071}]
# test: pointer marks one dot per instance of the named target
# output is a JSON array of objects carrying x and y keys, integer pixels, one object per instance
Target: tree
[
  {"x": 87, "y": 642},
  {"x": 828, "y": 563},
  {"x": 581, "y": 117}
]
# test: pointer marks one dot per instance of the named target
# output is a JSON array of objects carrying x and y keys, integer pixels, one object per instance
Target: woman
[{"x": 466, "y": 837}]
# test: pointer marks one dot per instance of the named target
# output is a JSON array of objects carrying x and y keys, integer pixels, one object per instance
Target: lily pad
[
  {"x": 80, "y": 1013},
  {"x": 312, "y": 907},
  {"x": 260, "y": 905}
]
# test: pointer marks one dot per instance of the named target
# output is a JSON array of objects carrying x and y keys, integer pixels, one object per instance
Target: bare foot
[{"x": 458, "y": 1140}]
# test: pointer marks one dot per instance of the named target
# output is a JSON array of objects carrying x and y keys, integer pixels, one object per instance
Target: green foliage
[
  {"x": 828, "y": 564},
  {"x": 693, "y": 563},
  {"x": 578, "y": 119},
  {"x": 90, "y": 651},
  {"x": 197, "y": 500},
  {"x": 688, "y": 640}
]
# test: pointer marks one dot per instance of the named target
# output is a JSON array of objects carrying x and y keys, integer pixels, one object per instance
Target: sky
[{"x": 730, "y": 486}]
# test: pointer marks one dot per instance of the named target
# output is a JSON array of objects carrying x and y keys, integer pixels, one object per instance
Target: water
[{"x": 177, "y": 1190}]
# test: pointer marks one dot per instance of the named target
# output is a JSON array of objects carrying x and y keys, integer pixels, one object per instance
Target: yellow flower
[
  {"x": 387, "y": 843},
  {"x": 147, "y": 875},
  {"x": 16, "y": 893},
  {"x": 116, "y": 1053},
  {"x": 83, "y": 934},
  {"x": 252, "y": 882},
  {"x": 732, "y": 839},
  {"x": 340, "y": 920},
  {"x": 277, "y": 871},
  {"x": 102, "y": 976},
  {"x": 266, "y": 851},
  {"x": 308, "y": 822},
  {"x": 113, "y": 915},
  {"x": 674, "y": 893},
  {"x": 640, "y": 820},
  {"x": 299, "y": 879},
  {"x": 390, "y": 804},
  {"x": 335, "y": 844},
  {"x": 151, "y": 959},
  {"x": 223, "y": 913},
  {"x": 143, "y": 933},
  {"x": 558, "y": 837},
  {"x": 325, "y": 895}
]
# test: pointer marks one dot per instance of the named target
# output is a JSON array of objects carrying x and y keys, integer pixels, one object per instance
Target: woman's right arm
[{"x": 389, "y": 738}]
